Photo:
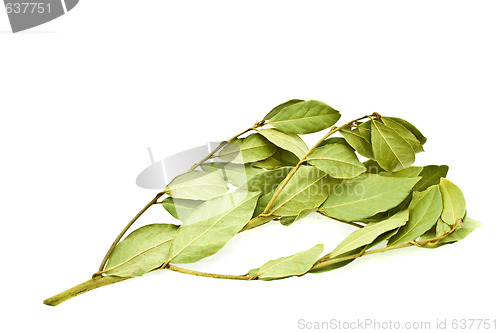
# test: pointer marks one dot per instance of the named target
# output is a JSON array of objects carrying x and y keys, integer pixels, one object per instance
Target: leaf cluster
[
  {"x": 359, "y": 173},
  {"x": 271, "y": 174}
]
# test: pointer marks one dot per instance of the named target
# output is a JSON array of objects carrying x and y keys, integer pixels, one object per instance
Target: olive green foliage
[
  {"x": 390, "y": 198},
  {"x": 359, "y": 173}
]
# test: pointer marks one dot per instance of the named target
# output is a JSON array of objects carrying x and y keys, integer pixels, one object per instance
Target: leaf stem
[
  {"x": 122, "y": 233},
  {"x": 223, "y": 143},
  {"x": 91, "y": 284},
  {"x": 303, "y": 159},
  {"x": 258, "y": 221},
  {"x": 210, "y": 275},
  {"x": 346, "y": 222},
  {"x": 101, "y": 281}
]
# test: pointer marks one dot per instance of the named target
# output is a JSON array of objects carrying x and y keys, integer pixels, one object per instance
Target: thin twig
[
  {"x": 210, "y": 275},
  {"x": 106, "y": 257},
  {"x": 223, "y": 143},
  {"x": 346, "y": 222}
]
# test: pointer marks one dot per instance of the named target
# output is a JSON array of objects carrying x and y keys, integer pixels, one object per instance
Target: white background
[{"x": 83, "y": 96}]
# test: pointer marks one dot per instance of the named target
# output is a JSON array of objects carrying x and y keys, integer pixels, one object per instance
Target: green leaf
[
  {"x": 334, "y": 264},
  {"x": 287, "y": 141},
  {"x": 250, "y": 149},
  {"x": 425, "y": 209},
  {"x": 196, "y": 185},
  {"x": 390, "y": 151},
  {"x": 142, "y": 251},
  {"x": 289, "y": 220},
  {"x": 337, "y": 160},
  {"x": 262, "y": 203},
  {"x": 369, "y": 233},
  {"x": 358, "y": 142},
  {"x": 235, "y": 174},
  {"x": 366, "y": 196},
  {"x": 267, "y": 181},
  {"x": 431, "y": 175},
  {"x": 280, "y": 107},
  {"x": 270, "y": 163},
  {"x": 405, "y": 134},
  {"x": 430, "y": 234},
  {"x": 180, "y": 208},
  {"x": 411, "y": 128},
  {"x": 297, "y": 264},
  {"x": 413, "y": 171},
  {"x": 333, "y": 140},
  {"x": 442, "y": 227},
  {"x": 463, "y": 231},
  {"x": 305, "y": 117},
  {"x": 372, "y": 166},
  {"x": 453, "y": 202},
  {"x": 307, "y": 189},
  {"x": 287, "y": 157},
  {"x": 211, "y": 226},
  {"x": 365, "y": 130},
  {"x": 338, "y": 264}
]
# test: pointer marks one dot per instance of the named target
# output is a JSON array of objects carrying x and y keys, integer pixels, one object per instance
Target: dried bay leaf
[
  {"x": 431, "y": 175},
  {"x": 180, "y": 208},
  {"x": 280, "y": 107},
  {"x": 305, "y": 117},
  {"x": 358, "y": 142},
  {"x": 196, "y": 185},
  {"x": 289, "y": 220},
  {"x": 422, "y": 139},
  {"x": 372, "y": 167},
  {"x": 412, "y": 171},
  {"x": 235, "y": 174},
  {"x": 425, "y": 209},
  {"x": 442, "y": 227},
  {"x": 262, "y": 203},
  {"x": 250, "y": 149},
  {"x": 453, "y": 202},
  {"x": 369, "y": 233},
  {"x": 468, "y": 225},
  {"x": 211, "y": 226},
  {"x": 366, "y": 195},
  {"x": 335, "y": 263},
  {"x": 333, "y": 140},
  {"x": 404, "y": 133},
  {"x": 288, "y": 158},
  {"x": 142, "y": 251},
  {"x": 267, "y": 181},
  {"x": 307, "y": 189},
  {"x": 287, "y": 141},
  {"x": 390, "y": 151},
  {"x": 297, "y": 264},
  {"x": 270, "y": 163},
  {"x": 365, "y": 130},
  {"x": 337, "y": 160}
]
